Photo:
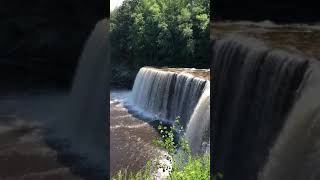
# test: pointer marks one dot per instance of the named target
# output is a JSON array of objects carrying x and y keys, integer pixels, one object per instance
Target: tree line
[{"x": 172, "y": 33}]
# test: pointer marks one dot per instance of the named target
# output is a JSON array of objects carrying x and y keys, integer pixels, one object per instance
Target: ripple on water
[{"x": 130, "y": 138}]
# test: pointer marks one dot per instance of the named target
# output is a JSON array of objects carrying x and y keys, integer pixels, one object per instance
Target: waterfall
[
  {"x": 254, "y": 90},
  {"x": 296, "y": 153},
  {"x": 164, "y": 94},
  {"x": 198, "y": 129},
  {"x": 84, "y": 121}
]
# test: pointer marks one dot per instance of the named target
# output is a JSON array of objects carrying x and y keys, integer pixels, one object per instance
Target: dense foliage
[{"x": 160, "y": 33}]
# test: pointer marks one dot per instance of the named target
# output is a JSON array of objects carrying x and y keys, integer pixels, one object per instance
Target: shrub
[{"x": 184, "y": 167}]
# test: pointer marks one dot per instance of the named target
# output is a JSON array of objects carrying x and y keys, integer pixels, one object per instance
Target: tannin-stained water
[
  {"x": 164, "y": 95},
  {"x": 83, "y": 119},
  {"x": 130, "y": 137},
  {"x": 265, "y": 112},
  {"x": 296, "y": 153}
]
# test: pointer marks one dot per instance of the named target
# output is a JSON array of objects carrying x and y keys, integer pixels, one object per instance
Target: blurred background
[
  {"x": 40, "y": 45},
  {"x": 40, "y": 42}
]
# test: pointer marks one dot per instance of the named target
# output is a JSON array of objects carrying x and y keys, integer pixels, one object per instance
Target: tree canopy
[
  {"x": 161, "y": 33},
  {"x": 172, "y": 33}
]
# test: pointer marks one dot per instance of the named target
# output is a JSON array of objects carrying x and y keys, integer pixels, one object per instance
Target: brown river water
[{"x": 130, "y": 137}]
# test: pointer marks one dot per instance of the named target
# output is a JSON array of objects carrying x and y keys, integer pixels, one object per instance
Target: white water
[
  {"x": 84, "y": 117},
  {"x": 198, "y": 129},
  {"x": 296, "y": 153},
  {"x": 163, "y": 95},
  {"x": 255, "y": 88},
  {"x": 266, "y": 121}
]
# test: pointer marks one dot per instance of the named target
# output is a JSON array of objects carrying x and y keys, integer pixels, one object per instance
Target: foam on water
[
  {"x": 83, "y": 119},
  {"x": 164, "y": 95}
]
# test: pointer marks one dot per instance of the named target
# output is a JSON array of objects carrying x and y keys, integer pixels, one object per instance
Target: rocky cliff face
[{"x": 40, "y": 41}]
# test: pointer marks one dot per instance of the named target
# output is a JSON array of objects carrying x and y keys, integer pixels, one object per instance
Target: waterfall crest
[
  {"x": 254, "y": 89},
  {"x": 167, "y": 94}
]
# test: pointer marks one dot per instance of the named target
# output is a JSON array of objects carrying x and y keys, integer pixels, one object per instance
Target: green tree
[{"x": 172, "y": 33}]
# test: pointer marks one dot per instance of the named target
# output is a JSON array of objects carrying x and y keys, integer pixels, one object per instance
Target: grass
[
  {"x": 185, "y": 166},
  {"x": 195, "y": 168},
  {"x": 142, "y": 174}
]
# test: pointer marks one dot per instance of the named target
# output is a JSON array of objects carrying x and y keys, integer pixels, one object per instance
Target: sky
[{"x": 114, "y": 4}]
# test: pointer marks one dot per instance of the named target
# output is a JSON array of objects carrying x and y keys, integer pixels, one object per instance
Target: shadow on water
[{"x": 78, "y": 164}]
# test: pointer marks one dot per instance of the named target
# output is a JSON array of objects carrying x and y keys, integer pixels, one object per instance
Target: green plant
[
  {"x": 143, "y": 174},
  {"x": 159, "y": 33},
  {"x": 184, "y": 166},
  {"x": 195, "y": 168},
  {"x": 166, "y": 140}
]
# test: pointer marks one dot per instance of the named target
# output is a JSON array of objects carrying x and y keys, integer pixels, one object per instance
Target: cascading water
[
  {"x": 84, "y": 121},
  {"x": 163, "y": 94},
  {"x": 264, "y": 99},
  {"x": 198, "y": 129},
  {"x": 167, "y": 95},
  {"x": 296, "y": 153}
]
